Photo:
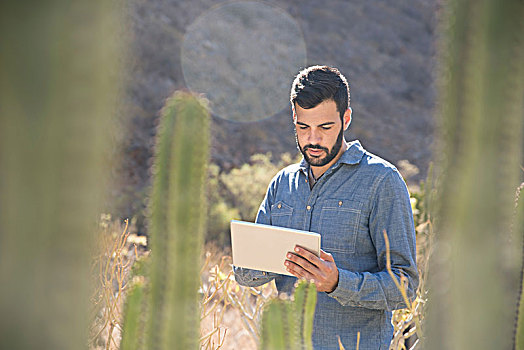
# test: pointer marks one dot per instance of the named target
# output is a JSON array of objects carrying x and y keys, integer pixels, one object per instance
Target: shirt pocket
[
  {"x": 281, "y": 214},
  {"x": 339, "y": 223}
]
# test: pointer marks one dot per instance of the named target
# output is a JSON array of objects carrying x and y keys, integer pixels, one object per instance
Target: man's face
[{"x": 319, "y": 132}]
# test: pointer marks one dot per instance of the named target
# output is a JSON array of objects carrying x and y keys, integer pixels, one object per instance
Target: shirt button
[
  {"x": 279, "y": 205},
  {"x": 308, "y": 207}
]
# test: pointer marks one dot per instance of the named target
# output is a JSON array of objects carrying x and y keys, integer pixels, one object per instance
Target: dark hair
[{"x": 316, "y": 84}]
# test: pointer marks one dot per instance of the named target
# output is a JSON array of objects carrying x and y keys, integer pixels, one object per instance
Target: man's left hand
[{"x": 321, "y": 270}]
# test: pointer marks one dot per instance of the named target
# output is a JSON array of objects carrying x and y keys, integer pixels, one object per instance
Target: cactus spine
[
  {"x": 289, "y": 324},
  {"x": 177, "y": 222},
  {"x": 474, "y": 265},
  {"x": 57, "y": 98}
]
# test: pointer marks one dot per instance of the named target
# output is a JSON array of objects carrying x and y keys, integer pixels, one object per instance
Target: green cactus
[
  {"x": 177, "y": 222},
  {"x": 136, "y": 307},
  {"x": 133, "y": 337},
  {"x": 474, "y": 267},
  {"x": 58, "y": 94},
  {"x": 518, "y": 226},
  {"x": 289, "y": 324}
]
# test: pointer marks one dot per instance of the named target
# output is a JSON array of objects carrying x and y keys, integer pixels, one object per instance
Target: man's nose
[{"x": 314, "y": 137}]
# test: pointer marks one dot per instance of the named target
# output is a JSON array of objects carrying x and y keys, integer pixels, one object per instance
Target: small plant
[{"x": 288, "y": 323}]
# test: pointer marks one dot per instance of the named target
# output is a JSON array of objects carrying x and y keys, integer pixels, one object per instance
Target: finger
[
  {"x": 326, "y": 256},
  {"x": 297, "y": 270},
  {"x": 306, "y": 254},
  {"x": 305, "y": 264}
]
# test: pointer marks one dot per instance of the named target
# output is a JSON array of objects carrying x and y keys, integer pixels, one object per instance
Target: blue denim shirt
[{"x": 356, "y": 199}]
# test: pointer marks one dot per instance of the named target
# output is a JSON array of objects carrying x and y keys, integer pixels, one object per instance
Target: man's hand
[{"x": 322, "y": 271}]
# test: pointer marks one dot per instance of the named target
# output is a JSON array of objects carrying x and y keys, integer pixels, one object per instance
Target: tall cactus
[
  {"x": 57, "y": 99},
  {"x": 177, "y": 222},
  {"x": 475, "y": 266},
  {"x": 289, "y": 324}
]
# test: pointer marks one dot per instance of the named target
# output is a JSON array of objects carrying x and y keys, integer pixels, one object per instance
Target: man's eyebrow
[{"x": 323, "y": 124}]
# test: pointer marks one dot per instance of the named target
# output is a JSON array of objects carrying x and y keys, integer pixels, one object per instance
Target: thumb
[{"x": 326, "y": 256}]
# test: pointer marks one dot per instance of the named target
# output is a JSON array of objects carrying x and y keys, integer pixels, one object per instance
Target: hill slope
[{"x": 385, "y": 49}]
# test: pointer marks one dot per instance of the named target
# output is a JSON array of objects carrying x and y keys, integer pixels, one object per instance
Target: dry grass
[
  {"x": 407, "y": 323},
  {"x": 228, "y": 306},
  {"x": 230, "y": 313},
  {"x": 117, "y": 249}
]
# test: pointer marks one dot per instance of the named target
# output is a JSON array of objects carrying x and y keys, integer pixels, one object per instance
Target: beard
[{"x": 330, "y": 153}]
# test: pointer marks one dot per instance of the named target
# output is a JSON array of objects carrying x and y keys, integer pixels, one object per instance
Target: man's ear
[{"x": 347, "y": 118}]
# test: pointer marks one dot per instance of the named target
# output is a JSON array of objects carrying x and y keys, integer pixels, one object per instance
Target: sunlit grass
[{"x": 224, "y": 300}]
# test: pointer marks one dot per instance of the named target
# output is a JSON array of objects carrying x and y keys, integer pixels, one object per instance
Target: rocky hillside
[{"x": 385, "y": 48}]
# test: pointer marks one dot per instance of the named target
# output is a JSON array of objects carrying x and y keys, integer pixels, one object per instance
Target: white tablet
[{"x": 264, "y": 247}]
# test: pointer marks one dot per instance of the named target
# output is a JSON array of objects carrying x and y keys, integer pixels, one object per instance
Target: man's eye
[
  {"x": 303, "y": 127},
  {"x": 326, "y": 127}
]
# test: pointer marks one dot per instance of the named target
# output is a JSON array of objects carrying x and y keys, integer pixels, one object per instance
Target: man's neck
[{"x": 318, "y": 171}]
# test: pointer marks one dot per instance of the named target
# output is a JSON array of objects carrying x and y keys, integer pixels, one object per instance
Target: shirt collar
[{"x": 352, "y": 155}]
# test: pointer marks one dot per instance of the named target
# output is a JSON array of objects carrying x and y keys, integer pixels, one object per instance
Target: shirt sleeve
[
  {"x": 255, "y": 278},
  {"x": 390, "y": 211}
]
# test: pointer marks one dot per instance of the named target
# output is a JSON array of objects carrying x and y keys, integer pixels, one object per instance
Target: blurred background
[{"x": 243, "y": 55}]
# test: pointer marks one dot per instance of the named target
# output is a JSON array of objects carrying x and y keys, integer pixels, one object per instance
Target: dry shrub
[
  {"x": 117, "y": 250},
  {"x": 229, "y": 308}
]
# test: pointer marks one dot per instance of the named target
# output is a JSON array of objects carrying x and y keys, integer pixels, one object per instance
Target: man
[{"x": 350, "y": 197}]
